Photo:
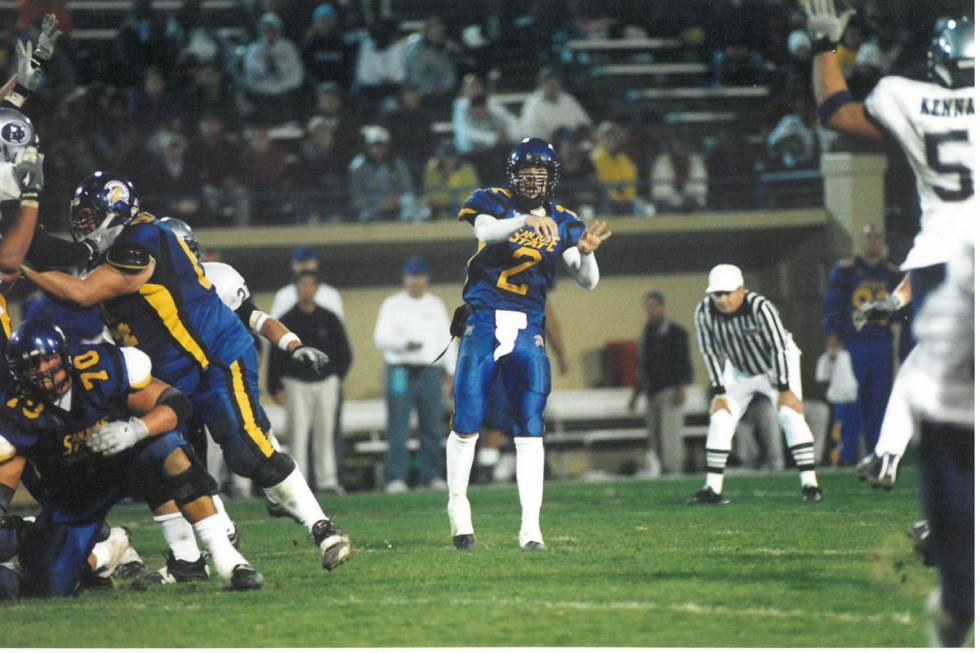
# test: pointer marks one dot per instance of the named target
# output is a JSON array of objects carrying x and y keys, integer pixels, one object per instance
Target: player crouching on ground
[
  {"x": 71, "y": 415},
  {"x": 761, "y": 357}
]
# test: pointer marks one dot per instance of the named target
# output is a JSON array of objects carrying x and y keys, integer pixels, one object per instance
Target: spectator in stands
[
  {"x": 449, "y": 179},
  {"x": 579, "y": 186},
  {"x": 177, "y": 180},
  {"x": 380, "y": 184},
  {"x": 272, "y": 71},
  {"x": 343, "y": 123},
  {"x": 663, "y": 372},
  {"x": 304, "y": 260},
  {"x": 758, "y": 440},
  {"x": 323, "y": 173},
  {"x": 410, "y": 126},
  {"x": 210, "y": 92},
  {"x": 326, "y": 54},
  {"x": 484, "y": 133},
  {"x": 615, "y": 171},
  {"x": 791, "y": 144},
  {"x": 550, "y": 108},
  {"x": 154, "y": 105},
  {"x": 194, "y": 37},
  {"x": 410, "y": 332},
  {"x": 380, "y": 64},
  {"x": 140, "y": 43},
  {"x": 226, "y": 199},
  {"x": 312, "y": 397},
  {"x": 679, "y": 179},
  {"x": 430, "y": 63},
  {"x": 264, "y": 165}
]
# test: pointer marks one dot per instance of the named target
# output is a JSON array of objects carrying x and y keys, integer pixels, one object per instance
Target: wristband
[
  {"x": 139, "y": 428},
  {"x": 287, "y": 340},
  {"x": 823, "y": 44},
  {"x": 829, "y": 107},
  {"x": 257, "y": 320}
]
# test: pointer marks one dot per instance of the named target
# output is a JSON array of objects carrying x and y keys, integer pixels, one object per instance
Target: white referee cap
[{"x": 724, "y": 278}]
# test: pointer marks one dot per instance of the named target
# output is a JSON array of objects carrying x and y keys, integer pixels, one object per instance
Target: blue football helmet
[
  {"x": 16, "y": 135},
  {"x": 952, "y": 56},
  {"x": 102, "y": 205},
  {"x": 533, "y": 152},
  {"x": 183, "y": 231},
  {"x": 32, "y": 344}
]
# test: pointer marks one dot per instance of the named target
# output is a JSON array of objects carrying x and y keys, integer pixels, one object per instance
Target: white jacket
[{"x": 843, "y": 387}]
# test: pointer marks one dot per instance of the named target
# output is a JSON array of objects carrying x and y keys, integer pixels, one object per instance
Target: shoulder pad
[
  {"x": 129, "y": 257},
  {"x": 138, "y": 367},
  {"x": 7, "y": 450},
  {"x": 561, "y": 209},
  {"x": 491, "y": 201},
  {"x": 143, "y": 218}
]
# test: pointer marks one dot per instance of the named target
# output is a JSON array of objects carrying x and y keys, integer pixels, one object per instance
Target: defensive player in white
[
  {"x": 933, "y": 121},
  {"x": 747, "y": 350}
]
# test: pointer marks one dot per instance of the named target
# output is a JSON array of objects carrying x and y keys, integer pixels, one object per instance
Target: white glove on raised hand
[
  {"x": 48, "y": 38},
  {"x": 823, "y": 24},
  {"x": 312, "y": 356},
  {"x": 115, "y": 437},
  {"x": 881, "y": 470},
  {"x": 875, "y": 311},
  {"x": 28, "y": 70}
]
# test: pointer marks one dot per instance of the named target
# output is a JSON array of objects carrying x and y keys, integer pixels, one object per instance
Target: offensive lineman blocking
[{"x": 522, "y": 234}]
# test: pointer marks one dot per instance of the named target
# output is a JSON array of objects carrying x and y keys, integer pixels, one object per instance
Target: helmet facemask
[
  {"x": 45, "y": 375},
  {"x": 85, "y": 222},
  {"x": 532, "y": 182}
]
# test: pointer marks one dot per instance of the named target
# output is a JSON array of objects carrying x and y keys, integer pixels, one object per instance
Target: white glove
[
  {"x": 115, "y": 437},
  {"x": 312, "y": 356},
  {"x": 101, "y": 240},
  {"x": 881, "y": 470},
  {"x": 823, "y": 24},
  {"x": 875, "y": 311},
  {"x": 47, "y": 39},
  {"x": 28, "y": 70}
]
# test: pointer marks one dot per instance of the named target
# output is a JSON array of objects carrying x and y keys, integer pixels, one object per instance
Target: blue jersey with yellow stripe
[
  {"x": 76, "y": 482},
  {"x": 515, "y": 274},
  {"x": 853, "y": 283},
  {"x": 176, "y": 317}
]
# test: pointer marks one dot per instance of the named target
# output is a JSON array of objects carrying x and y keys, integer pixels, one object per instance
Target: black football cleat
[
  {"x": 812, "y": 493},
  {"x": 465, "y": 542},
  {"x": 533, "y": 546},
  {"x": 245, "y": 578},
  {"x": 333, "y": 543},
  {"x": 175, "y": 571},
  {"x": 129, "y": 570},
  {"x": 707, "y": 497}
]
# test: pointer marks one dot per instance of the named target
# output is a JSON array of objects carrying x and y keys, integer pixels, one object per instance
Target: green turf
[{"x": 628, "y": 564}]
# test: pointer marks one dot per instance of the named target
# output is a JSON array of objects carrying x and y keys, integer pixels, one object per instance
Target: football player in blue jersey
[
  {"x": 83, "y": 429},
  {"x": 522, "y": 234},
  {"x": 155, "y": 296}
]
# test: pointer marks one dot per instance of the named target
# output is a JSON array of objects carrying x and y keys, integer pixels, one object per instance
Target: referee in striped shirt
[{"x": 747, "y": 351}]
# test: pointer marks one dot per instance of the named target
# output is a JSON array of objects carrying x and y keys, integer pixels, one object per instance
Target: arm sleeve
[
  {"x": 834, "y": 312},
  {"x": 773, "y": 331},
  {"x": 49, "y": 251},
  {"x": 585, "y": 269},
  {"x": 386, "y": 335},
  {"x": 685, "y": 371},
  {"x": 712, "y": 359},
  {"x": 489, "y": 229},
  {"x": 244, "y": 312}
]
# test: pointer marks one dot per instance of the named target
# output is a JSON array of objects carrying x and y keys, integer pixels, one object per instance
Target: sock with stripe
[
  {"x": 721, "y": 429},
  {"x": 530, "y": 486},
  {"x": 294, "y": 495},
  {"x": 799, "y": 439},
  {"x": 179, "y": 535},
  {"x": 459, "y": 464}
]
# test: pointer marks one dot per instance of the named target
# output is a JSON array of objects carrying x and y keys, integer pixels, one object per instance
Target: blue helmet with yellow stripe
[
  {"x": 32, "y": 345},
  {"x": 103, "y": 202}
]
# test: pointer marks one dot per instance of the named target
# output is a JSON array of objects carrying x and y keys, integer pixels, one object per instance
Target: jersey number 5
[
  {"x": 503, "y": 281},
  {"x": 933, "y": 143},
  {"x": 85, "y": 361}
]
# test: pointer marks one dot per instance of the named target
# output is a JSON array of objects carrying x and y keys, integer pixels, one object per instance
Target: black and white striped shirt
[{"x": 753, "y": 339}]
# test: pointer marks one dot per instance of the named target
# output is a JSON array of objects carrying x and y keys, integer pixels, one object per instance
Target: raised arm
[{"x": 104, "y": 283}]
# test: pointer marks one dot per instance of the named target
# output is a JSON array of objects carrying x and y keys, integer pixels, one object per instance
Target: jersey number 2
[
  {"x": 503, "y": 281},
  {"x": 933, "y": 142}
]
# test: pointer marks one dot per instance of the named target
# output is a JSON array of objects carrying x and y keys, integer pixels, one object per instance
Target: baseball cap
[
  {"x": 415, "y": 266},
  {"x": 301, "y": 254},
  {"x": 724, "y": 278}
]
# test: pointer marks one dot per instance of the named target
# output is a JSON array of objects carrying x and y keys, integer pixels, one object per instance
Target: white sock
[
  {"x": 294, "y": 495},
  {"x": 715, "y": 481},
  {"x": 459, "y": 464},
  {"x": 721, "y": 429},
  {"x": 530, "y": 485},
  {"x": 113, "y": 551},
  {"x": 799, "y": 439},
  {"x": 225, "y": 557},
  {"x": 219, "y": 505},
  {"x": 179, "y": 535},
  {"x": 487, "y": 456}
]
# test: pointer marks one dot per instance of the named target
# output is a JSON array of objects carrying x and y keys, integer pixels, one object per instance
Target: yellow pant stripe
[
  {"x": 163, "y": 303},
  {"x": 245, "y": 407},
  {"x": 4, "y": 317}
]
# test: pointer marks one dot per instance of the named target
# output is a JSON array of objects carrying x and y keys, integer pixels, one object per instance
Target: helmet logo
[
  {"x": 116, "y": 191},
  {"x": 14, "y": 133}
]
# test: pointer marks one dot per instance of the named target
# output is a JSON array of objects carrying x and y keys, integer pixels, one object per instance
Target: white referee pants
[{"x": 312, "y": 405}]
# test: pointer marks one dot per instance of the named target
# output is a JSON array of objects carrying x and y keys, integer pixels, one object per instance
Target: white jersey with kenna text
[
  {"x": 934, "y": 126},
  {"x": 229, "y": 285}
]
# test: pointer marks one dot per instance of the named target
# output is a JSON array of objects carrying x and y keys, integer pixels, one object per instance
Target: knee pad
[
  {"x": 191, "y": 484},
  {"x": 273, "y": 470},
  {"x": 794, "y": 426},
  {"x": 721, "y": 429}
]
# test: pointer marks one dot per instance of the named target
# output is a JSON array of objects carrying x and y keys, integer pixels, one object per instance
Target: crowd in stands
[{"x": 327, "y": 111}]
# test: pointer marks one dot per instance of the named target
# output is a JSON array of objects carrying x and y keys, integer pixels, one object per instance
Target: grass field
[{"x": 628, "y": 564}]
